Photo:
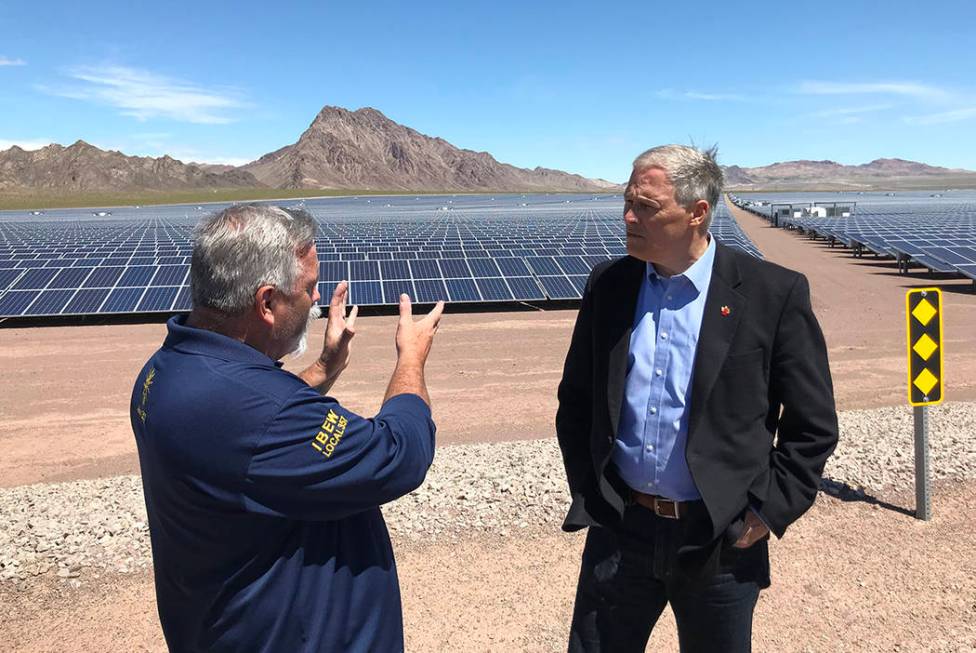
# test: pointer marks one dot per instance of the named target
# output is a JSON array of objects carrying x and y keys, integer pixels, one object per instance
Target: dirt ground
[{"x": 851, "y": 576}]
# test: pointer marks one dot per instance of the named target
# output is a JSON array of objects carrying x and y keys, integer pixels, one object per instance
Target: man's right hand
[{"x": 413, "y": 341}]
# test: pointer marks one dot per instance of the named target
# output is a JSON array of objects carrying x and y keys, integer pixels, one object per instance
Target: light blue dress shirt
[{"x": 649, "y": 452}]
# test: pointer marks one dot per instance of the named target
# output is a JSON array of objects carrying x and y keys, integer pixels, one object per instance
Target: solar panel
[
  {"x": 454, "y": 268},
  {"x": 462, "y": 290},
  {"x": 7, "y": 277},
  {"x": 183, "y": 302},
  {"x": 430, "y": 290},
  {"x": 170, "y": 275},
  {"x": 525, "y": 288},
  {"x": 559, "y": 288},
  {"x": 494, "y": 289},
  {"x": 425, "y": 269},
  {"x": 365, "y": 292},
  {"x": 136, "y": 276},
  {"x": 157, "y": 299},
  {"x": 513, "y": 267},
  {"x": 333, "y": 271},
  {"x": 395, "y": 269},
  {"x": 16, "y": 302},
  {"x": 86, "y": 300},
  {"x": 572, "y": 265},
  {"x": 122, "y": 300},
  {"x": 103, "y": 277},
  {"x": 394, "y": 288},
  {"x": 367, "y": 270},
  {"x": 50, "y": 302},
  {"x": 484, "y": 267},
  {"x": 35, "y": 279}
]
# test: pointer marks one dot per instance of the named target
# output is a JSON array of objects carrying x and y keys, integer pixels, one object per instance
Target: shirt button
[
  {"x": 664, "y": 335},
  {"x": 659, "y": 371},
  {"x": 650, "y": 448},
  {"x": 670, "y": 297},
  {"x": 653, "y": 410}
]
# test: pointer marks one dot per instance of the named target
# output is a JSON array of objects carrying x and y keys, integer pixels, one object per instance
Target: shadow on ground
[{"x": 841, "y": 490}]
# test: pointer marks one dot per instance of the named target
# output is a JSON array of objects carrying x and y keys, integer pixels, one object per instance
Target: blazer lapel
[
  {"x": 620, "y": 321},
  {"x": 723, "y": 310}
]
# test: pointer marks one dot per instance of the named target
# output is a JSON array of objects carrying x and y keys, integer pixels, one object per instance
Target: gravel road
[{"x": 79, "y": 528}]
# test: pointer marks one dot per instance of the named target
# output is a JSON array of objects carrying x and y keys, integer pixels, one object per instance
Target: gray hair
[
  {"x": 695, "y": 174},
  {"x": 246, "y": 246}
]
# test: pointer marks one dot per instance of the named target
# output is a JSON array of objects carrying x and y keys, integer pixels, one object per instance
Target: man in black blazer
[{"x": 696, "y": 414}]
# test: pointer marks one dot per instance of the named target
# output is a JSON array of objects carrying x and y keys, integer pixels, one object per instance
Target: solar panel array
[
  {"x": 938, "y": 235},
  {"x": 461, "y": 250}
]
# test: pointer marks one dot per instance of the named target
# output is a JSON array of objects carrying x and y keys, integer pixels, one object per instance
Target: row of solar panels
[
  {"x": 44, "y": 277},
  {"x": 145, "y": 288},
  {"x": 944, "y": 243},
  {"x": 176, "y": 275},
  {"x": 166, "y": 299},
  {"x": 163, "y": 259}
]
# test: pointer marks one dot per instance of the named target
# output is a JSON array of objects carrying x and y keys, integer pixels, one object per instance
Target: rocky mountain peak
[{"x": 364, "y": 149}]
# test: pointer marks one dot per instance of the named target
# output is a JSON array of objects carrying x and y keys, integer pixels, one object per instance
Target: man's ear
[
  {"x": 264, "y": 298},
  {"x": 699, "y": 211}
]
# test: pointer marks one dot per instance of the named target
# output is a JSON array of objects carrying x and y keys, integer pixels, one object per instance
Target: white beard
[{"x": 314, "y": 313}]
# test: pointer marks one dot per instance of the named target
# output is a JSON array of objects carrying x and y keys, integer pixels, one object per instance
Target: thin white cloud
[
  {"x": 144, "y": 95},
  {"x": 943, "y": 117},
  {"x": 25, "y": 144},
  {"x": 907, "y": 89},
  {"x": 671, "y": 94},
  {"x": 7, "y": 61},
  {"x": 849, "y": 111}
]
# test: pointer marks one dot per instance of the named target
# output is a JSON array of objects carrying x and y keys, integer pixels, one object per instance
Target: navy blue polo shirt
[{"x": 263, "y": 499}]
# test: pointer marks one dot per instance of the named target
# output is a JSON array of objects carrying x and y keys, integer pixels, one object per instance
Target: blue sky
[{"x": 571, "y": 85}]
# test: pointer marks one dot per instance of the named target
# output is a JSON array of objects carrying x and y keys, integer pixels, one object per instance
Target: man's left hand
[
  {"x": 338, "y": 333},
  {"x": 754, "y": 531}
]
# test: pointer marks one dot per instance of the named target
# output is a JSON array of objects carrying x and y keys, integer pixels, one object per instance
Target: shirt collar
[
  {"x": 698, "y": 274},
  {"x": 192, "y": 340}
]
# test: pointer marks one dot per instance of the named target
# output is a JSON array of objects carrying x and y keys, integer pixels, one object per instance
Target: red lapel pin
[{"x": 726, "y": 311}]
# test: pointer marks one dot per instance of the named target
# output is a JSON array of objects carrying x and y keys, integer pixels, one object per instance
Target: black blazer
[{"x": 762, "y": 419}]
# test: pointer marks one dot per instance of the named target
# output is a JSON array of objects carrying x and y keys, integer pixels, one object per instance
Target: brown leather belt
[{"x": 660, "y": 506}]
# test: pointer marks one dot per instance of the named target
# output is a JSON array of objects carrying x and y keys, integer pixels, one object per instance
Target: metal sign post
[
  {"x": 923, "y": 505},
  {"x": 923, "y": 312}
]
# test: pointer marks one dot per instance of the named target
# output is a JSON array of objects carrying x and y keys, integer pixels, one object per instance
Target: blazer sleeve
[
  {"x": 574, "y": 415},
  {"x": 807, "y": 432}
]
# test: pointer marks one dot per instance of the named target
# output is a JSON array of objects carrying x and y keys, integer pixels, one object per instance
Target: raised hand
[
  {"x": 413, "y": 339},
  {"x": 339, "y": 332}
]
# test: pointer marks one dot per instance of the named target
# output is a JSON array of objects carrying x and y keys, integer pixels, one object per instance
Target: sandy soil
[{"x": 851, "y": 576}]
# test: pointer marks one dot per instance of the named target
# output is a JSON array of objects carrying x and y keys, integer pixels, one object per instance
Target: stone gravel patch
[{"x": 78, "y": 528}]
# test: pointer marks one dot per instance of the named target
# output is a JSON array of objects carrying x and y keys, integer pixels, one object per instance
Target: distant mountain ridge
[
  {"x": 880, "y": 174},
  {"x": 365, "y": 149},
  {"x": 82, "y": 167}
]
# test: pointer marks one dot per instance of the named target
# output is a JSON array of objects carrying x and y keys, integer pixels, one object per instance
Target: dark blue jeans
[{"x": 631, "y": 572}]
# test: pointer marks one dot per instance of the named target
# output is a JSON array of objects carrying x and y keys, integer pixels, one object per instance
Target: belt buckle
[{"x": 659, "y": 504}]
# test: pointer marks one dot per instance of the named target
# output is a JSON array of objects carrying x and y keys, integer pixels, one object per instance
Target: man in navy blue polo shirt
[{"x": 263, "y": 494}]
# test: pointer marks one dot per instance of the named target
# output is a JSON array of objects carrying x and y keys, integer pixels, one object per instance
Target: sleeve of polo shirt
[{"x": 319, "y": 461}]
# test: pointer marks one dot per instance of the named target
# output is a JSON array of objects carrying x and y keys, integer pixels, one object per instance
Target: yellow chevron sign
[{"x": 923, "y": 311}]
